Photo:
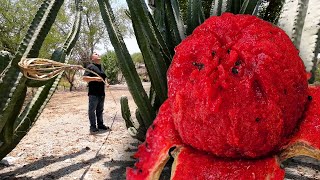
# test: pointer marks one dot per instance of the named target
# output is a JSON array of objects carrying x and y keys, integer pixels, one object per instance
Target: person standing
[{"x": 96, "y": 93}]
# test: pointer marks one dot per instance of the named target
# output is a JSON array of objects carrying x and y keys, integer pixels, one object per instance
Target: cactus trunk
[{"x": 14, "y": 125}]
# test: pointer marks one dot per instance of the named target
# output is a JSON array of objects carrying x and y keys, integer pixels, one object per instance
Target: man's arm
[{"x": 89, "y": 79}]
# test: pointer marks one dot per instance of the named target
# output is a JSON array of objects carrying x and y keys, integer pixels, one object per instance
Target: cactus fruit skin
[
  {"x": 246, "y": 77},
  {"x": 153, "y": 153},
  {"x": 312, "y": 119},
  {"x": 306, "y": 141},
  {"x": 244, "y": 89},
  {"x": 194, "y": 164}
]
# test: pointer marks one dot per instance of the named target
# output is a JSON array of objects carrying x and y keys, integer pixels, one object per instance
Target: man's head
[{"x": 95, "y": 58}]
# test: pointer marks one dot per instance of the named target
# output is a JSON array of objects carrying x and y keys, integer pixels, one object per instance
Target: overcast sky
[{"x": 130, "y": 42}]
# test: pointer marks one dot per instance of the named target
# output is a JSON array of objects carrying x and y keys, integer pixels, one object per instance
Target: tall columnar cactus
[
  {"x": 13, "y": 85},
  {"x": 158, "y": 33},
  {"x": 301, "y": 20}
]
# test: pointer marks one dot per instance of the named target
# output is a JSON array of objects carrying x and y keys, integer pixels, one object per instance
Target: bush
[
  {"x": 137, "y": 58},
  {"x": 111, "y": 66}
]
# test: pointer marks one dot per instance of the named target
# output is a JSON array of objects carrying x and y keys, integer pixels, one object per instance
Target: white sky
[
  {"x": 131, "y": 42},
  {"x": 132, "y": 45}
]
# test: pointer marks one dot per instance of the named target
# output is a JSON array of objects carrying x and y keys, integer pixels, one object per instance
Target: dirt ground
[{"x": 59, "y": 145}]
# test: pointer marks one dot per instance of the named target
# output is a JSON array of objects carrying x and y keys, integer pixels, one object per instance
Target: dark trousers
[{"x": 96, "y": 104}]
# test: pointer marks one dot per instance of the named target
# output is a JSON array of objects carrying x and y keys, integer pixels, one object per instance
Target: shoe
[
  {"x": 103, "y": 127},
  {"x": 93, "y": 130}
]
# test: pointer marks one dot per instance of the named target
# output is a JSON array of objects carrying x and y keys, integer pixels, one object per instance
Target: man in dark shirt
[{"x": 96, "y": 93}]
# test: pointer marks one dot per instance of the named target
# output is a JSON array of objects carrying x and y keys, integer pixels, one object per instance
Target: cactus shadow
[
  {"x": 119, "y": 166},
  {"x": 46, "y": 161}
]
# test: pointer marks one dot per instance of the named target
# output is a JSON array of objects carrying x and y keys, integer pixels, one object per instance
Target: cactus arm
[
  {"x": 126, "y": 64},
  {"x": 163, "y": 20},
  {"x": 60, "y": 56},
  {"x": 150, "y": 49},
  {"x": 216, "y": 8},
  {"x": 175, "y": 23},
  {"x": 301, "y": 20},
  {"x": 195, "y": 15},
  {"x": 174, "y": 31},
  {"x": 11, "y": 103},
  {"x": 248, "y": 6},
  {"x": 156, "y": 29},
  {"x": 35, "y": 83},
  {"x": 291, "y": 20},
  {"x": 17, "y": 127},
  {"x": 178, "y": 18},
  {"x": 125, "y": 111},
  {"x": 32, "y": 107},
  {"x": 154, "y": 99},
  {"x": 226, "y": 6},
  {"x": 221, "y": 6},
  {"x": 75, "y": 31},
  {"x": 259, "y": 10},
  {"x": 36, "y": 107},
  {"x": 163, "y": 47},
  {"x": 142, "y": 130},
  {"x": 40, "y": 100},
  {"x": 235, "y": 6},
  {"x": 7, "y": 127},
  {"x": 273, "y": 11},
  {"x": 38, "y": 29},
  {"x": 147, "y": 16},
  {"x": 287, "y": 16},
  {"x": 159, "y": 16},
  {"x": 310, "y": 46},
  {"x": 139, "y": 132},
  {"x": 68, "y": 45}
]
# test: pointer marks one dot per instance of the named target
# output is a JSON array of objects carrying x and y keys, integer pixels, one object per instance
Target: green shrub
[
  {"x": 110, "y": 63},
  {"x": 137, "y": 58}
]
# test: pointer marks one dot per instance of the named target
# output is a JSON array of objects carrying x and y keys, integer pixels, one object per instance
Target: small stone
[
  {"x": 20, "y": 154},
  {"x": 8, "y": 161},
  {"x": 67, "y": 161}
]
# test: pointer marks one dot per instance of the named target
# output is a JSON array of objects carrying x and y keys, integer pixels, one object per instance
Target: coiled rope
[{"x": 44, "y": 69}]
